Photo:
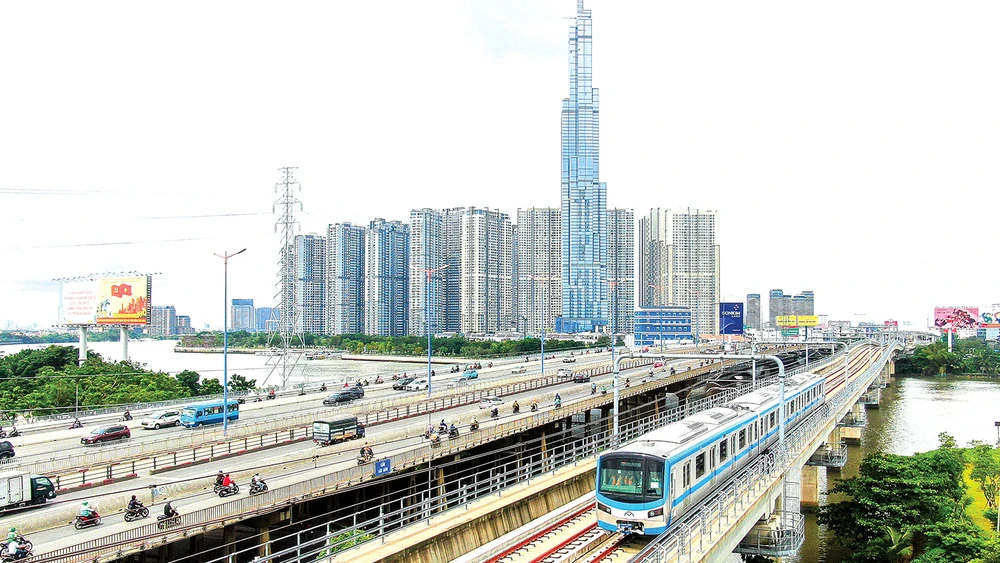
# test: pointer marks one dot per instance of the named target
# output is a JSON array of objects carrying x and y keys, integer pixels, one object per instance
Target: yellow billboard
[
  {"x": 799, "y": 320},
  {"x": 123, "y": 300}
]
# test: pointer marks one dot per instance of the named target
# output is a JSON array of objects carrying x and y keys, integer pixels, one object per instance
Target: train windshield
[{"x": 631, "y": 478}]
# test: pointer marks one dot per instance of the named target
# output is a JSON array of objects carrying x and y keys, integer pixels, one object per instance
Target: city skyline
[{"x": 700, "y": 110}]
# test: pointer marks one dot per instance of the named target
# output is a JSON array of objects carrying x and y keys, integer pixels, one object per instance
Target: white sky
[{"x": 849, "y": 147}]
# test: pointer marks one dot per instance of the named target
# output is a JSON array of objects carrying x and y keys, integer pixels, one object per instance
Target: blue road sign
[{"x": 383, "y": 467}]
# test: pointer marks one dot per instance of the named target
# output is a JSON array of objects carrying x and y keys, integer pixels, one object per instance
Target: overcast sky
[{"x": 849, "y": 147}]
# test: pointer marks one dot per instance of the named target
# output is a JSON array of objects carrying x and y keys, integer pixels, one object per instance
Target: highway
[{"x": 189, "y": 488}]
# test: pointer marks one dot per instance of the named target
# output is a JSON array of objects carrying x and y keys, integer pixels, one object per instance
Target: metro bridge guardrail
[{"x": 278, "y": 497}]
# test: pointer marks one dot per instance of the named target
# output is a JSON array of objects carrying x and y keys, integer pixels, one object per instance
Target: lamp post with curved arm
[{"x": 225, "y": 337}]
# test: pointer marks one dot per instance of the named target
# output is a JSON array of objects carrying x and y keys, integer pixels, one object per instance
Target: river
[
  {"x": 913, "y": 412},
  {"x": 160, "y": 355}
]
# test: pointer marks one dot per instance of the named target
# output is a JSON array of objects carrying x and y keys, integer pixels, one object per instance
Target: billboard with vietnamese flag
[{"x": 120, "y": 300}]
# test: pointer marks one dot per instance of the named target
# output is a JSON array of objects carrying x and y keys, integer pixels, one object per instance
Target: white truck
[{"x": 18, "y": 488}]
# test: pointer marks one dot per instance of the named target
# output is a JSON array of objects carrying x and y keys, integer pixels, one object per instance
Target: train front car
[{"x": 631, "y": 492}]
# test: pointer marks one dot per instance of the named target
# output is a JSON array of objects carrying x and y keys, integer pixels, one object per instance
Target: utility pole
[{"x": 286, "y": 330}]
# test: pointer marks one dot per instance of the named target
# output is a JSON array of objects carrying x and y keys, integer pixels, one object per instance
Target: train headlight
[
  {"x": 655, "y": 513},
  {"x": 603, "y": 508}
]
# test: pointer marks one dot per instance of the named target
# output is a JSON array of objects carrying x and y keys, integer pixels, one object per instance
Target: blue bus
[{"x": 208, "y": 412}]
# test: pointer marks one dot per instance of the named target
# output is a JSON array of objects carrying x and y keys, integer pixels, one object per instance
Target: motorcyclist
[
  {"x": 86, "y": 511},
  {"x": 430, "y": 430},
  {"x": 134, "y": 504},
  {"x": 366, "y": 451},
  {"x": 255, "y": 480},
  {"x": 169, "y": 511},
  {"x": 271, "y": 393},
  {"x": 474, "y": 424},
  {"x": 604, "y": 389},
  {"x": 627, "y": 382},
  {"x": 534, "y": 404},
  {"x": 19, "y": 548},
  {"x": 517, "y": 407},
  {"x": 227, "y": 481},
  {"x": 11, "y": 535},
  {"x": 558, "y": 400},
  {"x": 127, "y": 415},
  {"x": 443, "y": 427},
  {"x": 494, "y": 412},
  {"x": 452, "y": 430},
  {"x": 219, "y": 478},
  {"x": 593, "y": 388},
  {"x": 76, "y": 424}
]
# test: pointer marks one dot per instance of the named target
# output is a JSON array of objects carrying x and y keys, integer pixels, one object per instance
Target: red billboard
[
  {"x": 951, "y": 318},
  {"x": 891, "y": 323}
]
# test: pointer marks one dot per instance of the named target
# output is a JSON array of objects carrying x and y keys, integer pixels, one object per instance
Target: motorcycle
[
  {"x": 322, "y": 388},
  {"x": 163, "y": 521},
  {"x": 21, "y": 540},
  {"x": 379, "y": 380},
  {"x": 489, "y": 365},
  {"x": 395, "y": 377},
  {"x": 3, "y": 433},
  {"x": 593, "y": 390},
  {"x": 604, "y": 391},
  {"x": 137, "y": 514},
  {"x": 76, "y": 424},
  {"x": 453, "y": 433},
  {"x": 14, "y": 434},
  {"x": 270, "y": 396},
  {"x": 558, "y": 403},
  {"x": 82, "y": 522},
  {"x": 363, "y": 459},
  {"x": 517, "y": 409},
  {"x": 534, "y": 407},
  {"x": 627, "y": 382},
  {"x": 258, "y": 400},
  {"x": 257, "y": 488},
  {"x": 494, "y": 413},
  {"x": 474, "y": 426},
  {"x": 125, "y": 417},
  {"x": 21, "y": 554},
  {"x": 233, "y": 489}
]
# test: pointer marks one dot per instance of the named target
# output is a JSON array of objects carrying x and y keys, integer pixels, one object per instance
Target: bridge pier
[{"x": 809, "y": 501}]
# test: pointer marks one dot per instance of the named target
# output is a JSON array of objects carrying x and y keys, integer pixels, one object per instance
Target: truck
[
  {"x": 18, "y": 488},
  {"x": 326, "y": 432}
]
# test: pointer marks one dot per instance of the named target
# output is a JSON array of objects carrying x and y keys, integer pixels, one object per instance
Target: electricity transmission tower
[{"x": 285, "y": 329}]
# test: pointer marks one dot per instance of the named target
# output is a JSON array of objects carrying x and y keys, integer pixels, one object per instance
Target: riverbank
[{"x": 186, "y": 350}]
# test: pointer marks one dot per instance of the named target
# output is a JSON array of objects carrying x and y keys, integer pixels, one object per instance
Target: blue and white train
[{"x": 645, "y": 486}]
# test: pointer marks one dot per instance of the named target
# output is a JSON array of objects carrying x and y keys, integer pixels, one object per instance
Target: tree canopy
[{"x": 969, "y": 356}]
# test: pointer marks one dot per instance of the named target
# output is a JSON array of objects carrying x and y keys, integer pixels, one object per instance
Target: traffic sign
[
  {"x": 789, "y": 332},
  {"x": 383, "y": 467}
]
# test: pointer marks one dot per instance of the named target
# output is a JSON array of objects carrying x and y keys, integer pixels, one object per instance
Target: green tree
[
  {"x": 189, "y": 379},
  {"x": 985, "y": 471},
  {"x": 211, "y": 387},
  {"x": 343, "y": 542},
  {"x": 239, "y": 383}
]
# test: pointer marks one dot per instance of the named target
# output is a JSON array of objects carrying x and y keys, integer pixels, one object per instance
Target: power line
[{"x": 116, "y": 243}]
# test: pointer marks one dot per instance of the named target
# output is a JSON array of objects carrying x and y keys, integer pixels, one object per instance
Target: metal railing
[
  {"x": 830, "y": 455},
  {"x": 698, "y": 530}
]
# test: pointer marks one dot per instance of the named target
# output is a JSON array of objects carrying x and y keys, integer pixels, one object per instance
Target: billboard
[
  {"x": 730, "y": 318},
  {"x": 107, "y": 301},
  {"x": 800, "y": 320},
  {"x": 956, "y": 317},
  {"x": 891, "y": 323}
]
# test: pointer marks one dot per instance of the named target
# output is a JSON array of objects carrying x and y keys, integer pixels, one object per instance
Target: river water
[
  {"x": 913, "y": 412},
  {"x": 159, "y": 355}
]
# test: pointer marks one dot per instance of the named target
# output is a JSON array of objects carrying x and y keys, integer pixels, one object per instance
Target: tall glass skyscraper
[{"x": 583, "y": 195}]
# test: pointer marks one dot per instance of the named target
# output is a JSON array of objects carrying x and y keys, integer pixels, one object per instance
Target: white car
[
  {"x": 418, "y": 385},
  {"x": 159, "y": 419},
  {"x": 519, "y": 369},
  {"x": 489, "y": 402}
]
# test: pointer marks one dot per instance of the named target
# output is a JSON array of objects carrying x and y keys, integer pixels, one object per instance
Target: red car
[
  {"x": 658, "y": 365},
  {"x": 106, "y": 434}
]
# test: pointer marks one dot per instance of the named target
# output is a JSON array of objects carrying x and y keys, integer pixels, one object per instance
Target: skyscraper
[
  {"x": 242, "y": 315},
  {"x": 679, "y": 263},
  {"x": 752, "y": 319},
  {"x": 621, "y": 269},
  {"x": 435, "y": 247},
  {"x": 583, "y": 196},
  {"x": 387, "y": 281},
  {"x": 538, "y": 270},
  {"x": 781, "y": 304},
  {"x": 310, "y": 283},
  {"x": 163, "y": 321},
  {"x": 486, "y": 271},
  {"x": 345, "y": 302}
]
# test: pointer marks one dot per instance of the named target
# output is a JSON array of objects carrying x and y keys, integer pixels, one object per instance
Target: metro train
[{"x": 646, "y": 485}]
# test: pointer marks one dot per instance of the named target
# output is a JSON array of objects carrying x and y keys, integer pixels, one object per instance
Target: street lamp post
[
  {"x": 696, "y": 315},
  {"x": 427, "y": 325},
  {"x": 545, "y": 280},
  {"x": 225, "y": 337}
]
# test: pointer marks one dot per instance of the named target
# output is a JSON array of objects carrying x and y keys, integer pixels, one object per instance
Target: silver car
[{"x": 160, "y": 419}]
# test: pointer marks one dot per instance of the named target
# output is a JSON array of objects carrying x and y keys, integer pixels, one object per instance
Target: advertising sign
[
  {"x": 956, "y": 317},
  {"x": 891, "y": 323},
  {"x": 123, "y": 301},
  {"x": 989, "y": 317},
  {"x": 800, "y": 320},
  {"x": 730, "y": 318},
  {"x": 79, "y": 303}
]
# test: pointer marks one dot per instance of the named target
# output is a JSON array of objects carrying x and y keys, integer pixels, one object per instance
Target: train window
[
  {"x": 743, "y": 438},
  {"x": 723, "y": 450},
  {"x": 687, "y": 474},
  {"x": 774, "y": 419},
  {"x": 699, "y": 466}
]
